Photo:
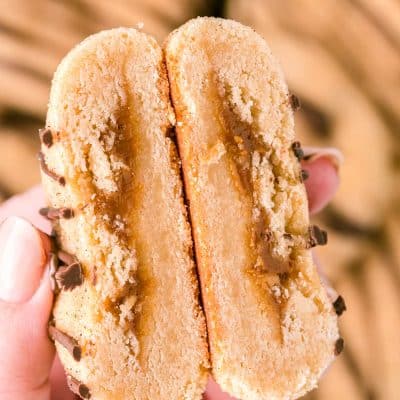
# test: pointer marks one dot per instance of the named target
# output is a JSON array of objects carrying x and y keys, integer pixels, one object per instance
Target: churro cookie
[
  {"x": 127, "y": 322},
  {"x": 272, "y": 327}
]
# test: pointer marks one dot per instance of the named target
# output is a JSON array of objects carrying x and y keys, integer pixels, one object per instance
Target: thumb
[{"x": 26, "y": 353}]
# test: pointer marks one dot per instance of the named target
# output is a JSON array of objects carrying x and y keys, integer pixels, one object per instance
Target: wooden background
[{"x": 342, "y": 59}]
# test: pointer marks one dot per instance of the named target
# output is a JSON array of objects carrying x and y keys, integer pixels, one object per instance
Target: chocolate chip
[
  {"x": 294, "y": 102},
  {"x": 57, "y": 213},
  {"x": 66, "y": 341},
  {"x": 304, "y": 175},
  {"x": 339, "y": 346},
  {"x": 78, "y": 387},
  {"x": 46, "y": 137},
  {"x": 297, "y": 150},
  {"x": 339, "y": 305},
  {"x": 48, "y": 172},
  {"x": 317, "y": 236},
  {"x": 68, "y": 277}
]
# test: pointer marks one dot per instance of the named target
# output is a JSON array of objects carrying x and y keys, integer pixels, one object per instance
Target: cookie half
[
  {"x": 127, "y": 321},
  {"x": 272, "y": 328}
]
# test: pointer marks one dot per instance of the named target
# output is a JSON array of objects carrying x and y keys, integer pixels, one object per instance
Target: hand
[{"x": 28, "y": 369}]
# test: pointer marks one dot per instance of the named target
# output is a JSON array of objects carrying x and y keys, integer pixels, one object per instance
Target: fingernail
[
  {"x": 332, "y": 153},
  {"x": 22, "y": 260}
]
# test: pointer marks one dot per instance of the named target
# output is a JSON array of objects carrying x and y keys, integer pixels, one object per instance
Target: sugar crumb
[{"x": 276, "y": 291}]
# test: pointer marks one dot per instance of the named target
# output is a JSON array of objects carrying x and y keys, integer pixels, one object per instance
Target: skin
[{"x": 28, "y": 366}]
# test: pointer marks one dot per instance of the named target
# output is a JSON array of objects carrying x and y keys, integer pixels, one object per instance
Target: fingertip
[
  {"x": 23, "y": 256},
  {"x": 46, "y": 243},
  {"x": 26, "y": 205},
  {"x": 59, "y": 386},
  {"x": 42, "y": 301},
  {"x": 214, "y": 392},
  {"x": 322, "y": 183},
  {"x": 26, "y": 350}
]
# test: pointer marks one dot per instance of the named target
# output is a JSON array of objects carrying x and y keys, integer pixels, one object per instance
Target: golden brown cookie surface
[
  {"x": 272, "y": 328},
  {"x": 128, "y": 296}
]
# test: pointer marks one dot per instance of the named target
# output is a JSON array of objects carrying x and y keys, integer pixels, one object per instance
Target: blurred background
[{"x": 342, "y": 59}]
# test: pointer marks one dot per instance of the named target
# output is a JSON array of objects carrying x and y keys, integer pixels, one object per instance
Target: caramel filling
[{"x": 275, "y": 248}]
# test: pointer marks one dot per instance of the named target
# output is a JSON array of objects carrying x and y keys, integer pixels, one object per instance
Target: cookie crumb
[{"x": 276, "y": 291}]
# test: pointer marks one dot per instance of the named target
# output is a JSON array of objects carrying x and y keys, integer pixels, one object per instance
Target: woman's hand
[{"x": 28, "y": 370}]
